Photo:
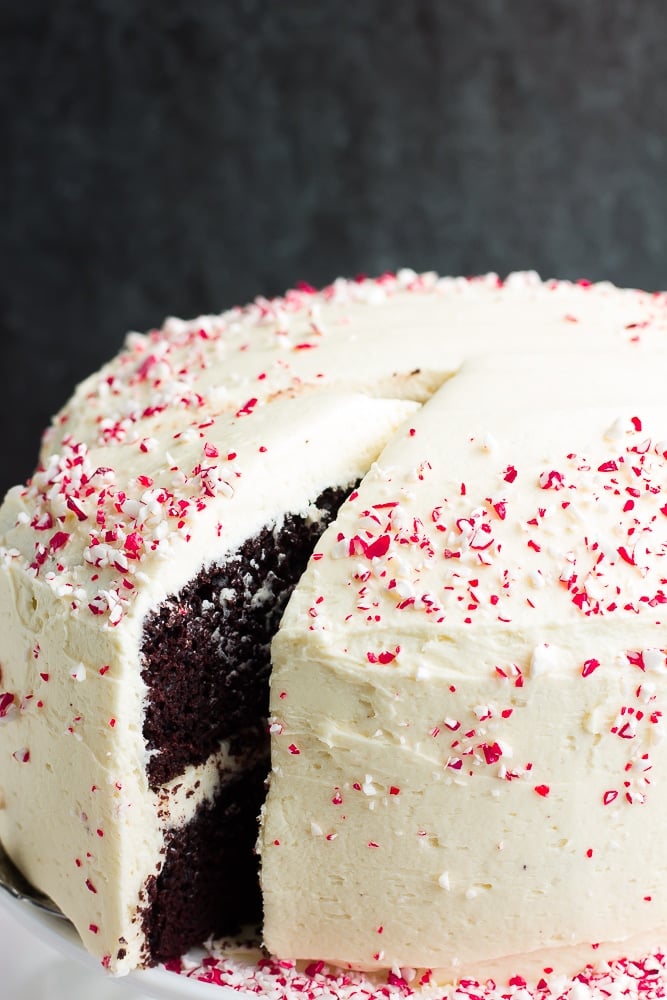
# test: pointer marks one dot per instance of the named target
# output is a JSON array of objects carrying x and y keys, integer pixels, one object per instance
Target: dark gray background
[{"x": 183, "y": 156}]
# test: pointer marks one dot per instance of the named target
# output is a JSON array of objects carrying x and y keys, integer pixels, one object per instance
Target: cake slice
[
  {"x": 469, "y": 686},
  {"x": 139, "y": 590}
]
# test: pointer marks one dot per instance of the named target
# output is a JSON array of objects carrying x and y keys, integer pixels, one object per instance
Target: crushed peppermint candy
[{"x": 245, "y": 971}]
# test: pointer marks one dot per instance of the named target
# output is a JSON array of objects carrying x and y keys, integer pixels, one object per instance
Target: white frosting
[
  {"x": 470, "y": 681},
  {"x": 395, "y": 336},
  {"x": 196, "y": 437}
]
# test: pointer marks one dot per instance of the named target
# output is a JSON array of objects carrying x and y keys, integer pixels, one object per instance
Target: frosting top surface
[
  {"x": 521, "y": 492},
  {"x": 154, "y": 447},
  {"x": 397, "y": 334},
  {"x": 103, "y": 526}
]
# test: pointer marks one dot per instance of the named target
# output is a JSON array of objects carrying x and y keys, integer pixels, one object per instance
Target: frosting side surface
[{"x": 469, "y": 728}]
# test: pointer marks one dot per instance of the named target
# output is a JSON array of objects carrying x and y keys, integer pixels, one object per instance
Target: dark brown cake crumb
[
  {"x": 206, "y": 651},
  {"x": 209, "y": 883}
]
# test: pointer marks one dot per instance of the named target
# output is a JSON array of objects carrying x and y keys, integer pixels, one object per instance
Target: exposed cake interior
[
  {"x": 208, "y": 886},
  {"x": 206, "y": 655}
]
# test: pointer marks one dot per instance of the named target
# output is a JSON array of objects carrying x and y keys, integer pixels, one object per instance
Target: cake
[{"x": 430, "y": 514}]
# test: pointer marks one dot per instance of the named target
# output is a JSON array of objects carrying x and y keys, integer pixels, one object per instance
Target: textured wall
[{"x": 182, "y": 156}]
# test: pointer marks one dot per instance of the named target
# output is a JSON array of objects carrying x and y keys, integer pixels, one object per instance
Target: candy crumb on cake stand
[{"x": 242, "y": 966}]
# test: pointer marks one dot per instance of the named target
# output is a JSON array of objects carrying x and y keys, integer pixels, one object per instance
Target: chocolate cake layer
[
  {"x": 206, "y": 651},
  {"x": 209, "y": 884}
]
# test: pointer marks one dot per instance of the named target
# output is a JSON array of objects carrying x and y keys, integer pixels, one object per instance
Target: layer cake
[{"x": 467, "y": 683}]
